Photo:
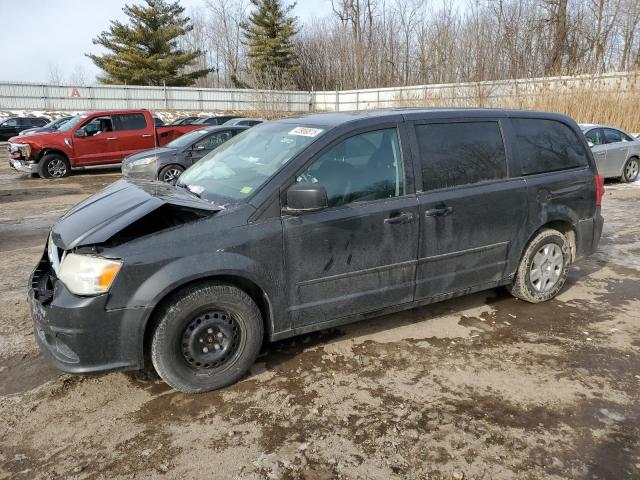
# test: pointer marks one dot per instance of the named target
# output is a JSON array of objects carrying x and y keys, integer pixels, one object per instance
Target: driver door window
[
  {"x": 212, "y": 141},
  {"x": 361, "y": 168},
  {"x": 595, "y": 136},
  {"x": 97, "y": 126}
]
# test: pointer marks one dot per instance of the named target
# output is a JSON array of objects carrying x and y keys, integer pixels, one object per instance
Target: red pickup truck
[{"x": 97, "y": 139}]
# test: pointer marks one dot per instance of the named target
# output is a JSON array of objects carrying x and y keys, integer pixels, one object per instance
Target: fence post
[{"x": 166, "y": 100}]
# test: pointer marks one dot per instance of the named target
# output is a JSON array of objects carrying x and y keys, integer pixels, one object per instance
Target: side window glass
[
  {"x": 595, "y": 136},
  {"x": 12, "y": 122},
  {"x": 612, "y": 136},
  {"x": 212, "y": 141},
  {"x": 547, "y": 146},
  {"x": 131, "y": 121},
  {"x": 361, "y": 168},
  {"x": 97, "y": 126},
  {"x": 460, "y": 153}
]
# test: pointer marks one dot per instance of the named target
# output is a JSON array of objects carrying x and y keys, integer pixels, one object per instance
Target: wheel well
[
  {"x": 249, "y": 287},
  {"x": 47, "y": 151},
  {"x": 567, "y": 230}
]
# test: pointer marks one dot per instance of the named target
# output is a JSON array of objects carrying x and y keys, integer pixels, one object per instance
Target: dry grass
[{"x": 616, "y": 103}]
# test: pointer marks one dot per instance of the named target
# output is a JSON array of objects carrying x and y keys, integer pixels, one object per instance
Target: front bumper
[
  {"x": 23, "y": 166},
  {"x": 78, "y": 334}
]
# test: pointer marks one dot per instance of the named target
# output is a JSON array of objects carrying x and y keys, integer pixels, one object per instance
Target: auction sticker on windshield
[{"x": 305, "y": 131}]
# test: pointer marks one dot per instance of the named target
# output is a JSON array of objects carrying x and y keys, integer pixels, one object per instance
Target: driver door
[
  {"x": 359, "y": 254},
  {"x": 99, "y": 144}
]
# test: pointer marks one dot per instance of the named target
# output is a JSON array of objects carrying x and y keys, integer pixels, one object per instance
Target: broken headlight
[{"x": 88, "y": 275}]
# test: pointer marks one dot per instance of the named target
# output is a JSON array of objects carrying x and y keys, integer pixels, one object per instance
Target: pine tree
[
  {"x": 146, "y": 51},
  {"x": 269, "y": 33}
]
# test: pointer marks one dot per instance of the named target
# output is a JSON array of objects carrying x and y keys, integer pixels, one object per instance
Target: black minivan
[{"x": 305, "y": 223}]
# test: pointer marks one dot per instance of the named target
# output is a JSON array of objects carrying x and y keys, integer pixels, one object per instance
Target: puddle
[{"x": 18, "y": 374}]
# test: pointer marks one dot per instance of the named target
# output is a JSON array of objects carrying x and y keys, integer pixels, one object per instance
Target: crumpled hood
[{"x": 101, "y": 216}]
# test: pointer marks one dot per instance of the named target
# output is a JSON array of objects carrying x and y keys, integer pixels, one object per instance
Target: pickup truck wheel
[
  {"x": 170, "y": 173},
  {"x": 53, "y": 165},
  {"x": 207, "y": 337},
  {"x": 543, "y": 267}
]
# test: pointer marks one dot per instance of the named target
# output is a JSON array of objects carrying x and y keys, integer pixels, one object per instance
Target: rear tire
[
  {"x": 543, "y": 267},
  {"x": 170, "y": 173},
  {"x": 54, "y": 165},
  {"x": 630, "y": 170},
  {"x": 207, "y": 337}
]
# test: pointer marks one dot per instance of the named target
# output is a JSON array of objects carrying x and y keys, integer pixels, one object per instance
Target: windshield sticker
[
  {"x": 246, "y": 189},
  {"x": 305, "y": 131}
]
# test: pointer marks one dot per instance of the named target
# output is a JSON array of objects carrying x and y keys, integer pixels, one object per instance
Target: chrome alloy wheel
[
  {"x": 546, "y": 268},
  {"x": 631, "y": 170},
  {"x": 56, "y": 168},
  {"x": 171, "y": 174}
]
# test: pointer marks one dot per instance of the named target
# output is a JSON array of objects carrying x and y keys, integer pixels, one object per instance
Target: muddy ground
[{"x": 481, "y": 387}]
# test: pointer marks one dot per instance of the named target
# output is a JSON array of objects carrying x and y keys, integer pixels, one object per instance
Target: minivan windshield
[
  {"x": 240, "y": 166},
  {"x": 186, "y": 139}
]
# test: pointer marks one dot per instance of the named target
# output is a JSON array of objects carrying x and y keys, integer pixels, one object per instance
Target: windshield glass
[
  {"x": 200, "y": 121},
  {"x": 187, "y": 139},
  {"x": 66, "y": 126},
  {"x": 240, "y": 166}
]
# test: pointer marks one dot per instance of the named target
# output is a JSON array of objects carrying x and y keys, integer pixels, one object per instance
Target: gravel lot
[{"x": 480, "y": 387}]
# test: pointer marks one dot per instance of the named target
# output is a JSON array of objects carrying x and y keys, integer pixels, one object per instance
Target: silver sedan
[{"x": 616, "y": 152}]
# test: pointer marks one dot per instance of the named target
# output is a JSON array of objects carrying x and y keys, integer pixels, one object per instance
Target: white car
[{"x": 616, "y": 152}]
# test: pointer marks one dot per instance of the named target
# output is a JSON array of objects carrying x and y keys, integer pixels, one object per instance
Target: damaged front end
[
  {"x": 70, "y": 290},
  {"x": 20, "y": 157}
]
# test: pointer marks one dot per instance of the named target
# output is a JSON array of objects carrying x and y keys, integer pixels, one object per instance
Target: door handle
[
  {"x": 111, "y": 138},
  {"x": 404, "y": 217},
  {"x": 438, "y": 212},
  {"x": 146, "y": 135}
]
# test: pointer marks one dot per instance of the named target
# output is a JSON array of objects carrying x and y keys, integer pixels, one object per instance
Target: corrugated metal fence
[{"x": 48, "y": 97}]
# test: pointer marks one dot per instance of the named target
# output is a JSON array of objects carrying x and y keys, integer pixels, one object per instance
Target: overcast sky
[{"x": 38, "y": 35}]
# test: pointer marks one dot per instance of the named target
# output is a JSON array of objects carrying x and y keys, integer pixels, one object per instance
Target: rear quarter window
[
  {"x": 130, "y": 121},
  {"x": 547, "y": 146},
  {"x": 460, "y": 153}
]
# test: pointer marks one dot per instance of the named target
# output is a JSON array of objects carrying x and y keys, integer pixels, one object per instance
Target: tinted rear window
[
  {"x": 547, "y": 146},
  {"x": 464, "y": 153},
  {"x": 130, "y": 121}
]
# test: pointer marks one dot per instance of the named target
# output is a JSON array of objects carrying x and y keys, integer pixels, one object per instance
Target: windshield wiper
[{"x": 196, "y": 190}]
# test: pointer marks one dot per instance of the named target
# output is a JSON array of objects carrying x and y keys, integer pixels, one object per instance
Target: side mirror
[
  {"x": 305, "y": 197},
  {"x": 81, "y": 133},
  {"x": 591, "y": 144}
]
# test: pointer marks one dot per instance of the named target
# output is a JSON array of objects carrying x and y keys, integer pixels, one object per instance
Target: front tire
[
  {"x": 630, "y": 170},
  {"x": 543, "y": 267},
  {"x": 170, "y": 173},
  {"x": 207, "y": 338},
  {"x": 53, "y": 165}
]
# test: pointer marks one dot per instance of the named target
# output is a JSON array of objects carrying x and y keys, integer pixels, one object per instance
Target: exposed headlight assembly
[
  {"x": 23, "y": 149},
  {"x": 88, "y": 275}
]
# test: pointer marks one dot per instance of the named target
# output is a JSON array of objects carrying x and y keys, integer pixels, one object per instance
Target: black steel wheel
[
  {"x": 207, "y": 336},
  {"x": 210, "y": 340}
]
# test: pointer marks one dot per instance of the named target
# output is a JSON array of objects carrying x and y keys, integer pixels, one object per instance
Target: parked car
[
  {"x": 215, "y": 120},
  {"x": 311, "y": 222},
  {"x": 616, "y": 152},
  {"x": 98, "y": 139},
  {"x": 185, "y": 121},
  {"x": 249, "y": 122},
  {"x": 167, "y": 163},
  {"x": 49, "y": 127},
  {"x": 11, "y": 127}
]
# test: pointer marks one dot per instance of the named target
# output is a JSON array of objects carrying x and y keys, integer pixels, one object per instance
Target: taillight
[{"x": 599, "y": 179}]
